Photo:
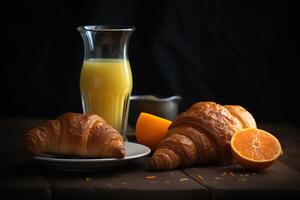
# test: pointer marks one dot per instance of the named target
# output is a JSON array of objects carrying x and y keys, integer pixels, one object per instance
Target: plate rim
[{"x": 93, "y": 160}]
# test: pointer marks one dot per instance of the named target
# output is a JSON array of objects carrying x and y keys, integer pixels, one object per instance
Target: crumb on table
[
  {"x": 184, "y": 179},
  {"x": 151, "y": 177}
]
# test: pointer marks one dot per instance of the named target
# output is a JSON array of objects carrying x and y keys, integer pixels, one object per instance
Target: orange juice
[{"x": 105, "y": 86}]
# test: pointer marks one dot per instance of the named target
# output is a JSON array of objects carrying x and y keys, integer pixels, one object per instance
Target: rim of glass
[{"x": 105, "y": 28}]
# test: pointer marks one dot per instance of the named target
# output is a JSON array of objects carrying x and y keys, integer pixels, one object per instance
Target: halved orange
[{"x": 255, "y": 149}]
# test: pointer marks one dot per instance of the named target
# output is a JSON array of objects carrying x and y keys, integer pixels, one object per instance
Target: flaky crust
[
  {"x": 242, "y": 117},
  {"x": 75, "y": 134},
  {"x": 201, "y": 134}
]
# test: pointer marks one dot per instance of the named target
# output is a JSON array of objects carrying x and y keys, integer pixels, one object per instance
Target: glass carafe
[{"x": 106, "y": 79}]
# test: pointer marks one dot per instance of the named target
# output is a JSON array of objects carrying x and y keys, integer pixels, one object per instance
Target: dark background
[{"x": 231, "y": 52}]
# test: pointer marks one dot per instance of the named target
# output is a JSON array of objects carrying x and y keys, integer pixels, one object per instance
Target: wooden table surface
[{"x": 21, "y": 178}]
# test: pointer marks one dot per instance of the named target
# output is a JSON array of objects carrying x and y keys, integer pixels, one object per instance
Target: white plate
[{"x": 133, "y": 151}]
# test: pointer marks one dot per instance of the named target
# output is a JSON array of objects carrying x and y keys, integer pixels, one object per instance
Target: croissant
[
  {"x": 77, "y": 135},
  {"x": 200, "y": 135}
]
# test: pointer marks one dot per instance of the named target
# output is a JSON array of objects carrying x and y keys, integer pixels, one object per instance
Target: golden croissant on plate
[
  {"x": 77, "y": 135},
  {"x": 201, "y": 134}
]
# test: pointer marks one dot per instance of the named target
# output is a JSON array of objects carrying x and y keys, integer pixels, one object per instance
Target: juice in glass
[{"x": 105, "y": 86}]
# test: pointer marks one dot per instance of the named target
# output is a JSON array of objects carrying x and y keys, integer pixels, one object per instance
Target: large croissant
[
  {"x": 75, "y": 134},
  {"x": 201, "y": 134}
]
